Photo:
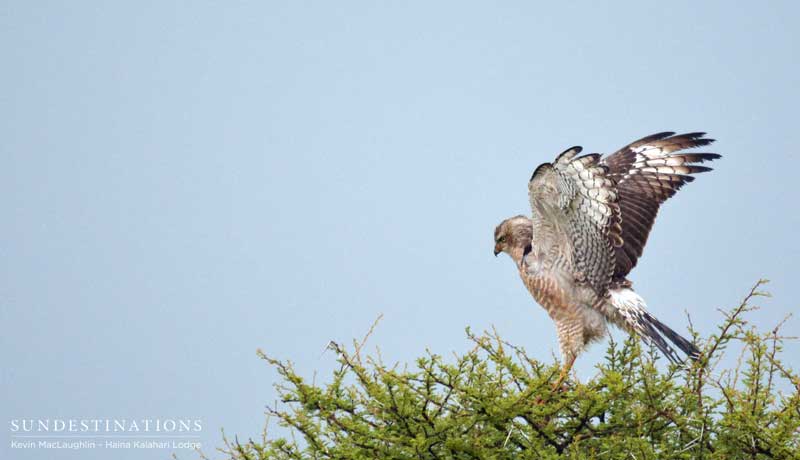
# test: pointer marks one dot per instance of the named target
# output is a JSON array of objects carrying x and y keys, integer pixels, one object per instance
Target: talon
[{"x": 564, "y": 374}]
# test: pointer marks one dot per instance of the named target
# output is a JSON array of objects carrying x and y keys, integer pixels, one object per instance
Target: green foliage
[{"x": 495, "y": 402}]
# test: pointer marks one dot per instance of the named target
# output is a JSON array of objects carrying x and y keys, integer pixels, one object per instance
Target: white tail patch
[
  {"x": 628, "y": 308},
  {"x": 627, "y": 298},
  {"x": 630, "y": 311}
]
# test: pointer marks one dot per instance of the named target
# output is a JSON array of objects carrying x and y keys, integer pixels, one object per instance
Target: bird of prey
[{"x": 590, "y": 220}]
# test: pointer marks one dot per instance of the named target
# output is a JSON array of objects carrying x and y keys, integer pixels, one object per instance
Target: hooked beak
[{"x": 497, "y": 250}]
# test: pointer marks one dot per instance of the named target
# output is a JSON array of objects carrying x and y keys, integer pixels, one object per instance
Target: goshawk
[{"x": 590, "y": 220}]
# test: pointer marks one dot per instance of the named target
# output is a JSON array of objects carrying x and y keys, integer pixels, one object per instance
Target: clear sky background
[{"x": 185, "y": 182}]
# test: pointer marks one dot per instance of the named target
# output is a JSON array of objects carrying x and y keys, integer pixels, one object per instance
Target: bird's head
[{"x": 512, "y": 236}]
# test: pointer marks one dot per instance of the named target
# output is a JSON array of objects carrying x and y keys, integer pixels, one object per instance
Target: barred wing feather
[
  {"x": 574, "y": 195},
  {"x": 647, "y": 172}
]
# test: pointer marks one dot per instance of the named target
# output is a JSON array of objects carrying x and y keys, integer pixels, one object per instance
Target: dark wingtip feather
[
  {"x": 696, "y": 139},
  {"x": 694, "y": 134},
  {"x": 540, "y": 168},
  {"x": 701, "y": 157},
  {"x": 656, "y": 136},
  {"x": 653, "y": 137},
  {"x": 699, "y": 169}
]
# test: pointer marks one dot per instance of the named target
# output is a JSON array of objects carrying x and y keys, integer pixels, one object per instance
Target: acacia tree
[{"x": 495, "y": 402}]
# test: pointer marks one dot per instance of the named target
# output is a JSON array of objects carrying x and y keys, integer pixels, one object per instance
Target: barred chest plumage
[
  {"x": 545, "y": 272},
  {"x": 567, "y": 302}
]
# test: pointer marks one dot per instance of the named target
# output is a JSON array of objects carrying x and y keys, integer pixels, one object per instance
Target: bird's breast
[{"x": 548, "y": 290}]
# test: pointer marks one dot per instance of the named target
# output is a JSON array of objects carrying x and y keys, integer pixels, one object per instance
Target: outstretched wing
[
  {"x": 648, "y": 172},
  {"x": 574, "y": 197}
]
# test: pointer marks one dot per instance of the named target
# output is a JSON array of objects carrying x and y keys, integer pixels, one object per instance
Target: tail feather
[
  {"x": 652, "y": 336},
  {"x": 629, "y": 309},
  {"x": 686, "y": 346}
]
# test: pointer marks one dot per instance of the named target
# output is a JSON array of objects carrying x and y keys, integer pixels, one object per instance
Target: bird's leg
[
  {"x": 565, "y": 371},
  {"x": 561, "y": 377}
]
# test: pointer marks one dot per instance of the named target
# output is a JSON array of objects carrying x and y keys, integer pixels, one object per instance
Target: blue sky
[{"x": 184, "y": 183}]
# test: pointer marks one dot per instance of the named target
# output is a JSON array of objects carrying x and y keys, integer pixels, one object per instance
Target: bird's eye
[{"x": 502, "y": 239}]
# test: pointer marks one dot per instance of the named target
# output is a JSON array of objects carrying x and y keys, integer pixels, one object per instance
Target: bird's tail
[{"x": 630, "y": 311}]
